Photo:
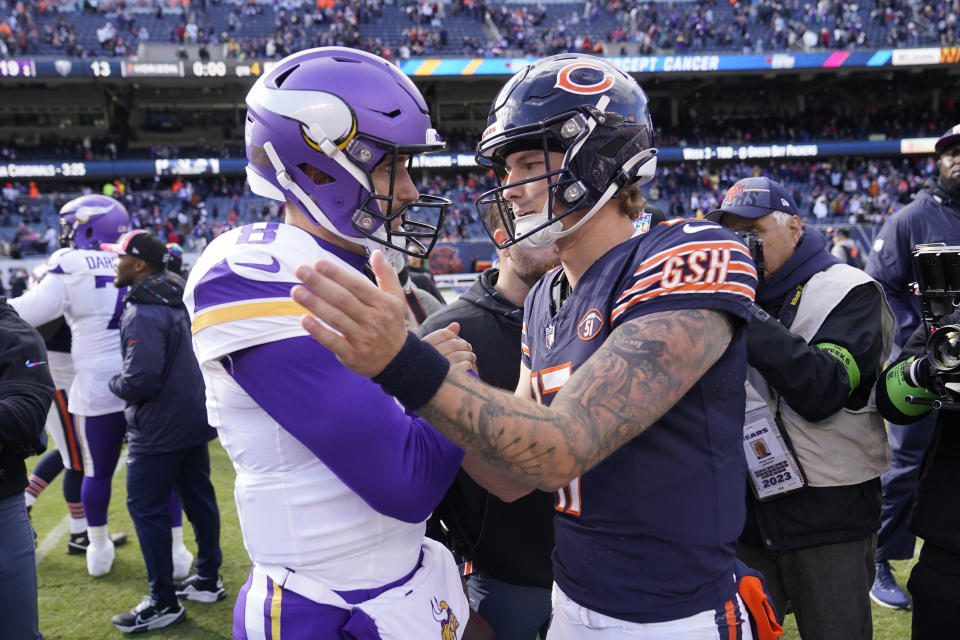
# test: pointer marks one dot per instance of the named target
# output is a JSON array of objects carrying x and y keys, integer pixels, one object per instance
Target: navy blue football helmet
[{"x": 583, "y": 107}]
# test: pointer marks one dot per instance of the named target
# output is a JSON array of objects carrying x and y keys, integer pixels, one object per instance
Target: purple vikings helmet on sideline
[
  {"x": 580, "y": 106},
  {"x": 88, "y": 221},
  {"x": 317, "y": 125}
]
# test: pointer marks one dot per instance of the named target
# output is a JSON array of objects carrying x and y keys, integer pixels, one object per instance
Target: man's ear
[
  {"x": 500, "y": 236},
  {"x": 796, "y": 228}
]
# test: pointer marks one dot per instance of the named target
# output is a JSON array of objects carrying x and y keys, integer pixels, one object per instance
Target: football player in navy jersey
[{"x": 630, "y": 401}]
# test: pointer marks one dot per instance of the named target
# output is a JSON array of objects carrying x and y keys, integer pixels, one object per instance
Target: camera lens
[{"x": 943, "y": 348}]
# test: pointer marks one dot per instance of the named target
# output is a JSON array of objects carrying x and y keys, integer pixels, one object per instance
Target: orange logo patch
[
  {"x": 590, "y": 325},
  {"x": 565, "y": 82},
  {"x": 732, "y": 194}
]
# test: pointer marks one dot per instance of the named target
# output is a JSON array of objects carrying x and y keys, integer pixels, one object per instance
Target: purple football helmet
[
  {"x": 317, "y": 125},
  {"x": 588, "y": 110},
  {"x": 88, "y": 221}
]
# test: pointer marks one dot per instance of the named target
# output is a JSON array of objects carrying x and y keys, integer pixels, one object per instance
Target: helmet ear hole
[
  {"x": 612, "y": 148},
  {"x": 317, "y": 176}
]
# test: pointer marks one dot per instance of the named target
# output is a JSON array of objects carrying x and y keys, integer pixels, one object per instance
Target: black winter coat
[
  {"x": 26, "y": 391},
  {"x": 160, "y": 379},
  {"x": 511, "y": 542}
]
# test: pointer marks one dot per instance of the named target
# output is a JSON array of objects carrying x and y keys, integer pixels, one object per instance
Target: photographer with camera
[
  {"x": 908, "y": 392},
  {"x": 26, "y": 392},
  {"x": 815, "y": 345},
  {"x": 933, "y": 216}
]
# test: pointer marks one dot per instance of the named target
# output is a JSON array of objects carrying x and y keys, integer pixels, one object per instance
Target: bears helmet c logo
[{"x": 565, "y": 82}]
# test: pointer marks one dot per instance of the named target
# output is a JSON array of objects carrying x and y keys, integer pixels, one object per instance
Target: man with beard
[
  {"x": 506, "y": 545},
  {"x": 933, "y": 216}
]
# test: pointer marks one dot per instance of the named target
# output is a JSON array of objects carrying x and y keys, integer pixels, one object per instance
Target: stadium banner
[
  {"x": 26, "y": 68},
  {"x": 693, "y": 63},
  {"x": 235, "y": 166},
  {"x": 122, "y": 168}
]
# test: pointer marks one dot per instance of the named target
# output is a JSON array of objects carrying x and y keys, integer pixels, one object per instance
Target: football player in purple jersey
[
  {"x": 335, "y": 480},
  {"x": 76, "y": 285},
  {"x": 630, "y": 401}
]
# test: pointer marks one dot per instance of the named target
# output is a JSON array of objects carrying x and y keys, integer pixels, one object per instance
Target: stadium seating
[{"x": 700, "y": 26}]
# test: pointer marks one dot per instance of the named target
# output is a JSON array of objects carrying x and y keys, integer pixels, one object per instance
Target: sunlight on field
[{"x": 74, "y": 606}]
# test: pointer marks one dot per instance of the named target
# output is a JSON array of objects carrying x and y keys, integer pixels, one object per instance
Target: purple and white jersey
[
  {"x": 648, "y": 534},
  {"x": 290, "y": 425},
  {"x": 78, "y": 285}
]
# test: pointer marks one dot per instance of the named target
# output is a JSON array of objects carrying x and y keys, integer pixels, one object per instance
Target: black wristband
[{"x": 415, "y": 374}]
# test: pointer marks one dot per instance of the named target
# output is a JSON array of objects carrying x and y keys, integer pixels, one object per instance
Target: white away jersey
[
  {"x": 294, "y": 511},
  {"x": 79, "y": 286}
]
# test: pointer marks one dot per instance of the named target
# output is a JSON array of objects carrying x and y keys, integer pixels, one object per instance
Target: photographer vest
[{"x": 850, "y": 446}]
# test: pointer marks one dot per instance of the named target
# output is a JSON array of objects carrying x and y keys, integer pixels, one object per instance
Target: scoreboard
[{"x": 27, "y": 68}]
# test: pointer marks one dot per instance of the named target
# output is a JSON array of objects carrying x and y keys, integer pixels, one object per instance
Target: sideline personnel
[
  {"x": 933, "y": 216},
  {"x": 935, "y": 579},
  {"x": 26, "y": 392},
  {"x": 815, "y": 345},
  {"x": 167, "y": 431},
  {"x": 507, "y": 545}
]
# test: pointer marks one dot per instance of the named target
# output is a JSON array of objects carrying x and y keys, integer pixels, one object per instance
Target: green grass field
[{"x": 74, "y": 606}]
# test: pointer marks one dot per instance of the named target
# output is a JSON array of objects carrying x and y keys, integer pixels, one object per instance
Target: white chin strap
[
  {"x": 553, "y": 232},
  {"x": 308, "y": 204}
]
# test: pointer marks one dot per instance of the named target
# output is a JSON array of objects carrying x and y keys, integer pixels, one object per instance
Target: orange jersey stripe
[
  {"x": 76, "y": 461},
  {"x": 731, "y": 619},
  {"x": 730, "y": 287}
]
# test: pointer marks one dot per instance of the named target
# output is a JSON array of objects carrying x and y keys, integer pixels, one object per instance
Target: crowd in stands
[
  {"x": 20, "y": 148},
  {"x": 411, "y": 28},
  {"x": 777, "y": 25},
  {"x": 192, "y": 212},
  {"x": 827, "y": 191}
]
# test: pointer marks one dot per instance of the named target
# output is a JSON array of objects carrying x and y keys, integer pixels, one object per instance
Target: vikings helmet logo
[{"x": 448, "y": 621}]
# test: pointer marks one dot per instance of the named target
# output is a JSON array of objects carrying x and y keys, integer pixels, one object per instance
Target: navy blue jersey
[{"x": 648, "y": 534}]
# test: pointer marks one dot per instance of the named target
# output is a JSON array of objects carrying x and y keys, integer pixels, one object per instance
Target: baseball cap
[
  {"x": 948, "y": 139},
  {"x": 755, "y": 198},
  {"x": 139, "y": 244}
]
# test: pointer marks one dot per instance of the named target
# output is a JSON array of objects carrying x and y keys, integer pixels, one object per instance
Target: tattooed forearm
[
  {"x": 637, "y": 375},
  {"x": 485, "y": 420}
]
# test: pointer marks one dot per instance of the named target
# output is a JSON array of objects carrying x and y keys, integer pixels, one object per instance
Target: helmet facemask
[
  {"x": 606, "y": 144},
  {"x": 375, "y": 217}
]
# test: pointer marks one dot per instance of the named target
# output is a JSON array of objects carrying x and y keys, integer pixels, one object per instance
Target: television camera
[
  {"x": 937, "y": 267},
  {"x": 755, "y": 246}
]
